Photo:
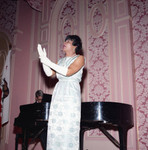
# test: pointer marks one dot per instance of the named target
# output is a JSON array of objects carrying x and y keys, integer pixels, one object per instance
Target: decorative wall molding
[
  {"x": 17, "y": 32},
  {"x": 129, "y": 18},
  {"x": 44, "y": 35},
  {"x": 98, "y": 20},
  {"x": 67, "y": 26},
  {"x": 45, "y": 12},
  {"x": 36, "y": 4},
  {"x": 121, "y": 8}
]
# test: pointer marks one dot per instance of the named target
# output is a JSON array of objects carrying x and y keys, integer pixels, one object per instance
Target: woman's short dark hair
[{"x": 76, "y": 42}]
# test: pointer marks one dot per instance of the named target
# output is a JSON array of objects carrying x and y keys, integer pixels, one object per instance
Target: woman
[{"x": 64, "y": 118}]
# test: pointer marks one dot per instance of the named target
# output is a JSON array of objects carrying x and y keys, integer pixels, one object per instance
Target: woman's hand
[
  {"x": 43, "y": 56},
  {"x": 41, "y": 52}
]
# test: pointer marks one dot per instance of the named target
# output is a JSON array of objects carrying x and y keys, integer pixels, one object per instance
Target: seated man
[
  {"x": 42, "y": 97},
  {"x": 43, "y": 135},
  {"x": 39, "y": 96}
]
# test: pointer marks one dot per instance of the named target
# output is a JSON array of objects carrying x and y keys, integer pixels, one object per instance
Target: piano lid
[
  {"x": 119, "y": 114},
  {"x": 35, "y": 111}
]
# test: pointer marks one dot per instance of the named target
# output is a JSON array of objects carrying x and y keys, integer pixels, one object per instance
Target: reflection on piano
[{"x": 102, "y": 115}]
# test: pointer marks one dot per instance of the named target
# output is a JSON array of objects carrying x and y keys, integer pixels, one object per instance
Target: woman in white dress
[{"x": 65, "y": 108}]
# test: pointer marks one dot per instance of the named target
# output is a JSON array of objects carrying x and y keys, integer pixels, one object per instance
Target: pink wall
[
  {"x": 140, "y": 49},
  {"x": 115, "y": 46}
]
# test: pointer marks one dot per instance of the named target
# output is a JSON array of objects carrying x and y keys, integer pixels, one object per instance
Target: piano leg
[
  {"x": 123, "y": 138},
  {"x": 82, "y": 130},
  {"x": 25, "y": 140},
  {"x": 16, "y": 141},
  {"x": 43, "y": 138}
]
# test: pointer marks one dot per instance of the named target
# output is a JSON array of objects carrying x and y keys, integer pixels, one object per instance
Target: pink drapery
[{"x": 36, "y": 4}]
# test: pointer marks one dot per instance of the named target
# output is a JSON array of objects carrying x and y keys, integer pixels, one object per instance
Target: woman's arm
[
  {"x": 48, "y": 71},
  {"x": 76, "y": 66},
  {"x": 66, "y": 71}
]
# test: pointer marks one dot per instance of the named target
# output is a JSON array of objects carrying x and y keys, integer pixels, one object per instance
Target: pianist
[
  {"x": 43, "y": 135},
  {"x": 64, "y": 118},
  {"x": 39, "y": 96}
]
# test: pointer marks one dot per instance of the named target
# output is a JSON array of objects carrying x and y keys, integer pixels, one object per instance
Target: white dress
[{"x": 65, "y": 108}]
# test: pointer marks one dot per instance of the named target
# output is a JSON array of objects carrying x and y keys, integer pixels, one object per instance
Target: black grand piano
[{"x": 103, "y": 115}]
